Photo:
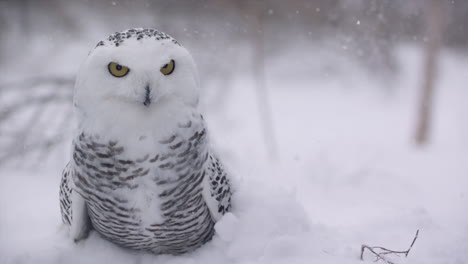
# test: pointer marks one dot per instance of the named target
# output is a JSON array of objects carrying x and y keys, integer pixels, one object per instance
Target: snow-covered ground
[{"x": 346, "y": 173}]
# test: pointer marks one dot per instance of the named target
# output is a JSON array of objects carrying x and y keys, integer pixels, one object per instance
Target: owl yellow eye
[
  {"x": 117, "y": 70},
  {"x": 168, "y": 68}
]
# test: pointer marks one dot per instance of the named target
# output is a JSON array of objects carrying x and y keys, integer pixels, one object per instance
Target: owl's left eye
[
  {"x": 118, "y": 70},
  {"x": 168, "y": 68}
]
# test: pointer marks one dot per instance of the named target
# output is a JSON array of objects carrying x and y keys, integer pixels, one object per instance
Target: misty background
[{"x": 44, "y": 42}]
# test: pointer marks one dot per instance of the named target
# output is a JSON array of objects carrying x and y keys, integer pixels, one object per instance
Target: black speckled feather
[{"x": 106, "y": 178}]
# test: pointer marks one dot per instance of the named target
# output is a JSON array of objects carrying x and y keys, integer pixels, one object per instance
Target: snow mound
[{"x": 267, "y": 225}]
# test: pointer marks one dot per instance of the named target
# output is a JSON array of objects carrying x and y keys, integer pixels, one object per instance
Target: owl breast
[{"x": 151, "y": 202}]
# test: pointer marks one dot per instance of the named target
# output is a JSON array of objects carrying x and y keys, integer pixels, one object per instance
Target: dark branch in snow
[{"x": 381, "y": 252}]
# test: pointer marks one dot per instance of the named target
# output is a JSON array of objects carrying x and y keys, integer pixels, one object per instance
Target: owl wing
[
  {"x": 65, "y": 195},
  {"x": 73, "y": 207},
  {"x": 216, "y": 188}
]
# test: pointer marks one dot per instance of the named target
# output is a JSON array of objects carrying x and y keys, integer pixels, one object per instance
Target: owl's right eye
[{"x": 118, "y": 70}]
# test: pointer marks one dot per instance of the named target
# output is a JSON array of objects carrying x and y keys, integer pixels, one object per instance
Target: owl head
[{"x": 137, "y": 70}]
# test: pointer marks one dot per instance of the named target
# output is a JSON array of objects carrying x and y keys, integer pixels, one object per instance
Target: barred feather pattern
[
  {"x": 64, "y": 196},
  {"x": 219, "y": 184},
  {"x": 104, "y": 176}
]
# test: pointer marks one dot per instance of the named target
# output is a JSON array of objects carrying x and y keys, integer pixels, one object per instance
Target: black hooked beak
[{"x": 147, "y": 101}]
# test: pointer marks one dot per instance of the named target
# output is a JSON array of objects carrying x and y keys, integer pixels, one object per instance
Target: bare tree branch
[
  {"x": 381, "y": 252},
  {"x": 33, "y": 82},
  {"x": 29, "y": 104}
]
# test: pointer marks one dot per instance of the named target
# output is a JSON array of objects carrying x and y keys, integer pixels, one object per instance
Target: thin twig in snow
[{"x": 380, "y": 252}]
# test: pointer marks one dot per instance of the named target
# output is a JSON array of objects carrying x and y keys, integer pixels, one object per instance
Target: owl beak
[{"x": 147, "y": 101}]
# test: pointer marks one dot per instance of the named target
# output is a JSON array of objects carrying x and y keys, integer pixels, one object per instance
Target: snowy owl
[{"x": 142, "y": 173}]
